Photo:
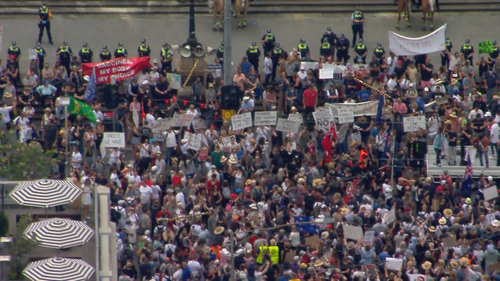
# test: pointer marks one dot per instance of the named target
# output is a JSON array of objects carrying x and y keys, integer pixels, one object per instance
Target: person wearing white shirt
[
  {"x": 5, "y": 113},
  {"x": 494, "y": 138},
  {"x": 193, "y": 111},
  {"x": 170, "y": 143},
  {"x": 146, "y": 194},
  {"x": 474, "y": 112},
  {"x": 350, "y": 100},
  {"x": 432, "y": 125},
  {"x": 268, "y": 68},
  {"x": 179, "y": 199},
  {"x": 150, "y": 118},
  {"x": 178, "y": 273},
  {"x": 134, "y": 178},
  {"x": 262, "y": 132},
  {"x": 76, "y": 158},
  {"x": 156, "y": 190},
  {"x": 99, "y": 115}
]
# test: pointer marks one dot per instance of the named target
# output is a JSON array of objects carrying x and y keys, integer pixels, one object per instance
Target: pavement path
[{"x": 99, "y": 30}]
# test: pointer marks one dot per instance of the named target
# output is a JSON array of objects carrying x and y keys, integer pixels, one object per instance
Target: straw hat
[
  {"x": 453, "y": 114},
  {"x": 293, "y": 108},
  {"x": 210, "y": 85},
  {"x": 232, "y": 161},
  {"x": 344, "y": 211},
  {"x": 349, "y": 246},
  {"x": 495, "y": 223},
  {"x": 448, "y": 212},
  {"x": 454, "y": 81},
  {"x": 454, "y": 263},
  {"x": 325, "y": 235},
  {"x": 318, "y": 263},
  {"x": 248, "y": 182},
  {"x": 223, "y": 159},
  {"x": 427, "y": 265},
  {"x": 463, "y": 261},
  {"x": 317, "y": 182},
  {"x": 218, "y": 230},
  {"x": 432, "y": 229},
  {"x": 442, "y": 221},
  {"x": 301, "y": 180},
  {"x": 7, "y": 95}
]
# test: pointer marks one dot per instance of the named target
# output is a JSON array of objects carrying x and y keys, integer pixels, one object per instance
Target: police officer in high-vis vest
[
  {"x": 360, "y": 52},
  {"x": 143, "y": 49},
  {"x": 14, "y": 51},
  {"x": 358, "y": 20},
  {"x": 121, "y": 52},
  {"x": 44, "y": 22},
  {"x": 41, "y": 55},
  {"x": 493, "y": 55},
  {"x": 330, "y": 35},
  {"x": 326, "y": 48},
  {"x": 275, "y": 57},
  {"x": 253, "y": 54},
  {"x": 85, "y": 54},
  {"x": 220, "y": 52},
  {"x": 166, "y": 57},
  {"x": 303, "y": 48},
  {"x": 105, "y": 54},
  {"x": 379, "y": 52},
  {"x": 65, "y": 54},
  {"x": 445, "y": 54},
  {"x": 468, "y": 51},
  {"x": 268, "y": 41},
  {"x": 343, "y": 49}
]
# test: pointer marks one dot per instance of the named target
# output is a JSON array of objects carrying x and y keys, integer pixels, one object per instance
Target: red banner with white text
[{"x": 121, "y": 68}]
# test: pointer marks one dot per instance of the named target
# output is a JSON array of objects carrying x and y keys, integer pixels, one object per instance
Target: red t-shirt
[{"x": 310, "y": 97}]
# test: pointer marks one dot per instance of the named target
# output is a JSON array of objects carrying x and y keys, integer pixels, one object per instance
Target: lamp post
[
  {"x": 65, "y": 101},
  {"x": 228, "y": 49},
  {"x": 191, "y": 40}
]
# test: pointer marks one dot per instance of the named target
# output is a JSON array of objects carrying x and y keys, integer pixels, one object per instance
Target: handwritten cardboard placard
[
  {"x": 450, "y": 241},
  {"x": 353, "y": 232}
]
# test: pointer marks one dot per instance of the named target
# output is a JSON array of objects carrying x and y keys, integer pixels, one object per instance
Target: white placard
[
  {"x": 369, "y": 236},
  {"x": 174, "y": 80},
  {"x": 345, "y": 116},
  {"x": 393, "y": 264},
  {"x": 368, "y": 108},
  {"x": 412, "y": 124},
  {"x": 353, "y": 232},
  {"x": 309, "y": 65},
  {"x": 199, "y": 123},
  {"x": 417, "y": 277},
  {"x": 111, "y": 140},
  {"x": 326, "y": 73},
  {"x": 266, "y": 118},
  {"x": 182, "y": 120},
  {"x": 288, "y": 126},
  {"x": 390, "y": 216},
  {"x": 323, "y": 117},
  {"x": 488, "y": 219},
  {"x": 159, "y": 127},
  {"x": 406, "y": 46},
  {"x": 295, "y": 117},
  {"x": 186, "y": 136},
  {"x": 33, "y": 54},
  {"x": 195, "y": 142},
  {"x": 226, "y": 140},
  {"x": 490, "y": 193},
  {"x": 241, "y": 121}
]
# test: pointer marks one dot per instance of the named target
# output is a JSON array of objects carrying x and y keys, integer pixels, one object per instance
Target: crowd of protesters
[{"x": 176, "y": 208}]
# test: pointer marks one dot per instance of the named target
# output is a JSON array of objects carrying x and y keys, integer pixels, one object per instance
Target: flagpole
[
  {"x": 393, "y": 156},
  {"x": 65, "y": 101}
]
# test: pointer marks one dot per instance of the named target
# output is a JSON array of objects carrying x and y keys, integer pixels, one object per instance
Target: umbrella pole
[{"x": 46, "y": 214}]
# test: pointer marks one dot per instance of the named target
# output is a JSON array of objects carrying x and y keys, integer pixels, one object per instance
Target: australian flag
[
  {"x": 90, "y": 92},
  {"x": 466, "y": 188},
  {"x": 306, "y": 228}
]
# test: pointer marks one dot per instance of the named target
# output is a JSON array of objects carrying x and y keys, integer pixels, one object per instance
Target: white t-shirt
[
  {"x": 146, "y": 193},
  {"x": 494, "y": 133},
  {"x": 195, "y": 268},
  {"x": 156, "y": 191},
  {"x": 151, "y": 120},
  {"x": 259, "y": 276},
  {"x": 134, "y": 179},
  {"x": 76, "y": 156},
  {"x": 5, "y": 113},
  {"x": 178, "y": 275}
]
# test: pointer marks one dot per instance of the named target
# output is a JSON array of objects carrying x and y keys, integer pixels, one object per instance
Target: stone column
[
  {"x": 105, "y": 232},
  {"x": 112, "y": 245}
]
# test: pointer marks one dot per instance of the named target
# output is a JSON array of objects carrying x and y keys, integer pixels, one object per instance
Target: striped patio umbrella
[
  {"x": 45, "y": 193},
  {"x": 60, "y": 269},
  {"x": 59, "y": 233}
]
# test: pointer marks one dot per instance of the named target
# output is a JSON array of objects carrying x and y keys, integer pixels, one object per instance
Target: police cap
[
  {"x": 269, "y": 31},
  {"x": 143, "y": 41},
  {"x": 65, "y": 43},
  {"x": 467, "y": 41},
  {"x": 342, "y": 36},
  {"x": 254, "y": 44},
  {"x": 105, "y": 47},
  {"x": 222, "y": 43},
  {"x": 379, "y": 44},
  {"x": 328, "y": 29},
  {"x": 38, "y": 45},
  {"x": 14, "y": 43},
  {"x": 85, "y": 44},
  {"x": 120, "y": 44},
  {"x": 302, "y": 41},
  {"x": 494, "y": 42},
  {"x": 277, "y": 45},
  {"x": 360, "y": 40},
  {"x": 165, "y": 44}
]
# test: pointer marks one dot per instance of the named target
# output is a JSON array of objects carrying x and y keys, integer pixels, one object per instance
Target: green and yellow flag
[{"x": 81, "y": 108}]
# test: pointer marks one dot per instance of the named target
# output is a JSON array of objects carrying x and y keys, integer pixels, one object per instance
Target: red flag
[
  {"x": 174, "y": 98},
  {"x": 185, "y": 102},
  {"x": 327, "y": 143},
  {"x": 202, "y": 105},
  {"x": 167, "y": 101}
]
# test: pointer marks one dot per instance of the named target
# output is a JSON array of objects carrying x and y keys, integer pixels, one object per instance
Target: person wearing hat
[
  {"x": 247, "y": 105},
  {"x": 44, "y": 15},
  {"x": 85, "y": 53},
  {"x": 253, "y": 54},
  {"x": 105, "y": 54},
  {"x": 65, "y": 53},
  {"x": 121, "y": 52},
  {"x": 144, "y": 50},
  {"x": 166, "y": 57},
  {"x": 211, "y": 94}
]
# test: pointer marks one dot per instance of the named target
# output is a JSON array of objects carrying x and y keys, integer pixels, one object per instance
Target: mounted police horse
[
  {"x": 404, "y": 8},
  {"x": 217, "y": 9}
]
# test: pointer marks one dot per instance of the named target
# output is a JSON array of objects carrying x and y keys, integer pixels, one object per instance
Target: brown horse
[
  {"x": 217, "y": 9},
  {"x": 428, "y": 10},
  {"x": 404, "y": 8}
]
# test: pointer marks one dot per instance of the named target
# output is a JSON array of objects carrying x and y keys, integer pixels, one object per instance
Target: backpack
[
  {"x": 169, "y": 251},
  {"x": 226, "y": 192},
  {"x": 115, "y": 215}
]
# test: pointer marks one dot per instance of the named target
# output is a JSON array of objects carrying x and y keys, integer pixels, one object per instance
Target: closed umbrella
[
  {"x": 60, "y": 269},
  {"x": 59, "y": 233},
  {"x": 45, "y": 193}
]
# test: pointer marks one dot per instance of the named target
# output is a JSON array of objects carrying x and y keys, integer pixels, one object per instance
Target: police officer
[
  {"x": 468, "y": 51},
  {"x": 253, "y": 54},
  {"x": 268, "y": 40},
  {"x": 445, "y": 54},
  {"x": 144, "y": 50},
  {"x": 275, "y": 57},
  {"x": 326, "y": 48},
  {"x": 343, "y": 49},
  {"x": 303, "y": 48},
  {"x": 379, "y": 52},
  {"x": 65, "y": 54},
  {"x": 166, "y": 57},
  {"x": 493, "y": 56},
  {"x": 220, "y": 52},
  {"x": 358, "y": 21},
  {"x": 85, "y": 54},
  {"x": 332, "y": 37},
  {"x": 105, "y": 54},
  {"x": 41, "y": 56},
  {"x": 360, "y": 52},
  {"x": 14, "y": 51},
  {"x": 44, "y": 22},
  {"x": 121, "y": 52}
]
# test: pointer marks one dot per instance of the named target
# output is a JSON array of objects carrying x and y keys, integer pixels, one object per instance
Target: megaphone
[
  {"x": 185, "y": 50},
  {"x": 198, "y": 51},
  {"x": 210, "y": 50},
  {"x": 174, "y": 47}
]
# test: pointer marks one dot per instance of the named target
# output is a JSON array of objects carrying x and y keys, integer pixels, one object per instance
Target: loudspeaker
[{"x": 230, "y": 97}]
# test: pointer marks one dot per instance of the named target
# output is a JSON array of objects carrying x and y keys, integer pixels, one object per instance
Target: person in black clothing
[
  {"x": 44, "y": 22},
  {"x": 465, "y": 140},
  {"x": 105, "y": 54}
]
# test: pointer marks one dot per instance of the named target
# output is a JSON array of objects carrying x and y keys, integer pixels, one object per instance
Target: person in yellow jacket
[{"x": 272, "y": 251}]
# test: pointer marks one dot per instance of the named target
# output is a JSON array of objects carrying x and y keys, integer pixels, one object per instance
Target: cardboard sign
[
  {"x": 450, "y": 241},
  {"x": 295, "y": 117},
  {"x": 345, "y": 116},
  {"x": 488, "y": 219},
  {"x": 182, "y": 120},
  {"x": 494, "y": 267},
  {"x": 393, "y": 264},
  {"x": 110, "y": 140},
  {"x": 369, "y": 236},
  {"x": 368, "y": 108},
  {"x": 287, "y": 126},
  {"x": 326, "y": 73},
  {"x": 323, "y": 117},
  {"x": 203, "y": 154},
  {"x": 174, "y": 80},
  {"x": 159, "y": 127},
  {"x": 265, "y": 118},
  {"x": 413, "y": 124},
  {"x": 490, "y": 193},
  {"x": 289, "y": 256},
  {"x": 390, "y": 216},
  {"x": 435, "y": 205},
  {"x": 241, "y": 121},
  {"x": 353, "y": 232},
  {"x": 485, "y": 47},
  {"x": 417, "y": 277},
  {"x": 195, "y": 142},
  {"x": 312, "y": 240}
]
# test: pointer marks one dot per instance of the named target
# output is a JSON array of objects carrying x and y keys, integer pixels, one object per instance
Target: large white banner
[
  {"x": 368, "y": 108},
  {"x": 241, "y": 121},
  {"x": 406, "y": 46}
]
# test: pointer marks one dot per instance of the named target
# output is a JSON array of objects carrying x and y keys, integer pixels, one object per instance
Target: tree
[
  {"x": 20, "y": 248},
  {"x": 4, "y": 224},
  {"x": 24, "y": 161}
]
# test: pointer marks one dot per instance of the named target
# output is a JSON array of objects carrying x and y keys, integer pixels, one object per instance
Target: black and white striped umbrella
[
  {"x": 60, "y": 269},
  {"x": 45, "y": 193},
  {"x": 59, "y": 233}
]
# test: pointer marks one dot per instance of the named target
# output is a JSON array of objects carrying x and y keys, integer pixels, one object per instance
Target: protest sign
[
  {"x": 309, "y": 65},
  {"x": 226, "y": 140},
  {"x": 393, "y": 264},
  {"x": 368, "y": 108},
  {"x": 187, "y": 135},
  {"x": 182, "y": 120},
  {"x": 295, "y": 117},
  {"x": 195, "y": 142},
  {"x": 369, "y": 236},
  {"x": 326, "y": 73},
  {"x": 203, "y": 154},
  {"x": 412, "y": 124},
  {"x": 406, "y": 46},
  {"x": 488, "y": 219},
  {"x": 312, "y": 240},
  {"x": 241, "y": 121},
  {"x": 33, "y": 54},
  {"x": 485, "y": 47},
  {"x": 345, "y": 116},
  {"x": 390, "y": 216},
  {"x": 289, "y": 256},
  {"x": 265, "y": 118},
  {"x": 490, "y": 193},
  {"x": 199, "y": 123},
  {"x": 342, "y": 132},
  {"x": 288, "y": 126},
  {"x": 323, "y": 117},
  {"x": 112, "y": 140},
  {"x": 174, "y": 80},
  {"x": 353, "y": 232},
  {"x": 159, "y": 127},
  {"x": 120, "y": 68},
  {"x": 450, "y": 241},
  {"x": 417, "y": 277}
]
